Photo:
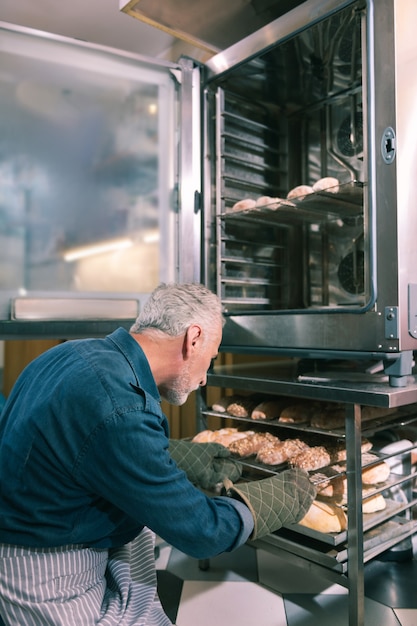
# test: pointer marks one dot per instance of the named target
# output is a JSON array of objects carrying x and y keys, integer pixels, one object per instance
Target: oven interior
[{"x": 289, "y": 228}]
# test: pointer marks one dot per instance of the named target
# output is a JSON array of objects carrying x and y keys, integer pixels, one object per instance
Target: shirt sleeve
[
  {"x": 247, "y": 523},
  {"x": 127, "y": 463}
]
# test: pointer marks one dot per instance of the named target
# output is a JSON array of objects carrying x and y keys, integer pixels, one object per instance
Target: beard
[{"x": 179, "y": 390}]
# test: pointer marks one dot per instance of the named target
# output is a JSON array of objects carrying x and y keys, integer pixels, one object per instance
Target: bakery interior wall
[{"x": 102, "y": 22}]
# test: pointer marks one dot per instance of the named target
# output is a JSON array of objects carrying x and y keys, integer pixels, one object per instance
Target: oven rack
[
  {"x": 314, "y": 207},
  {"x": 253, "y": 470},
  {"x": 339, "y": 557},
  {"x": 404, "y": 416},
  {"x": 371, "y": 521},
  {"x": 252, "y": 148},
  {"x": 331, "y": 558}
]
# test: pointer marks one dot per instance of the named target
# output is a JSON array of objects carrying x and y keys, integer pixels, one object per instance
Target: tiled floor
[{"x": 252, "y": 586}]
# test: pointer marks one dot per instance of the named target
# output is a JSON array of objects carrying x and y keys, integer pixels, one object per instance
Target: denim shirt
[{"x": 84, "y": 457}]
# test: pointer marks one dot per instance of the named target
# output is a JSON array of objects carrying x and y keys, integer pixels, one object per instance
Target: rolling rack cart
[{"x": 339, "y": 557}]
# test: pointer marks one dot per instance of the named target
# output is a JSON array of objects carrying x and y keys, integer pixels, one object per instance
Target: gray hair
[{"x": 172, "y": 308}]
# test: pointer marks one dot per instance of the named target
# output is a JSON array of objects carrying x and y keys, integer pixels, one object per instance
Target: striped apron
[{"x": 78, "y": 586}]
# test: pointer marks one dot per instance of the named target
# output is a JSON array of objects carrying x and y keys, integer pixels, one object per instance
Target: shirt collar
[{"x": 134, "y": 354}]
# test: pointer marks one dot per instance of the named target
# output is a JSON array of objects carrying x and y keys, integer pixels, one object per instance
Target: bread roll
[
  {"x": 241, "y": 406},
  {"x": 329, "y": 484},
  {"x": 281, "y": 452},
  {"x": 373, "y": 503},
  {"x": 338, "y": 451},
  {"x": 272, "y": 454},
  {"x": 272, "y": 203},
  {"x": 325, "y": 518},
  {"x": 268, "y": 409},
  {"x": 221, "y": 405},
  {"x": 374, "y": 474},
  {"x": 204, "y": 436},
  {"x": 299, "y": 192},
  {"x": 252, "y": 444},
  {"x": 327, "y": 419},
  {"x": 311, "y": 459},
  {"x": 264, "y": 201},
  {"x": 332, "y": 488},
  {"x": 244, "y": 205},
  {"x": 299, "y": 413},
  {"x": 224, "y": 436},
  {"x": 329, "y": 184}
]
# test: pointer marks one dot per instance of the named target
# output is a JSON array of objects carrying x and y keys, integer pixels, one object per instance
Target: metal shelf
[
  {"x": 338, "y": 557},
  {"x": 268, "y": 378}
]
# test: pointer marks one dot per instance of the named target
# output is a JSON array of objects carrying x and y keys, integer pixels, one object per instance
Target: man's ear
[{"x": 192, "y": 338}]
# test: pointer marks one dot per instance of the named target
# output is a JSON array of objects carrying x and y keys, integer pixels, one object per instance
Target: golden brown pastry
[
  {"x": 373, "y": 503},
  {"x": 328, "y": 184},
  {"x": 299, "y": 413},
  {"x": 264, "y": 201},
  {"x": 244, "y": 205},
  {"x": 328, "y": 419},
  {"x": 204, "y": 436},
  {"x": 224, "y": 436},
  {"x": 330, "y": 484},
  {"x": 325, "y": 517},
  {"x": 268, "y": 409},
  {"x": 280, "y": 452},
  {"x": 241, "y": 406},
  {"x": 332, "y": 487},
  {"x": 272, "y": 455},
  {"x": 272, "y": 203},
  {"x": 252, "y": 444},
  {"x": 299, "y": 192},
  {"x": 338, "y": 452},
  {"x": 220, "y": 406},
  {"x": 374, "y": 474},
  {"x": 375, "y": 412},
  {"x": 313, "y": 458}
]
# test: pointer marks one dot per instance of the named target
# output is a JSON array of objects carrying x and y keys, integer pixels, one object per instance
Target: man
[{"x": 88, "y": 473}]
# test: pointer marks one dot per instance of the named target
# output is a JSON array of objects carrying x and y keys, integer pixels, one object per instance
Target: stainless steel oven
[
  {"x": 309, "y": 185},
  {"x": 281, "y": 172}
]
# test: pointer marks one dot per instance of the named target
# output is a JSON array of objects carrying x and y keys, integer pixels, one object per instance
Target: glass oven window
[
  {"x": 289, "y": 213},
  {"x": 85, "y": 169}
]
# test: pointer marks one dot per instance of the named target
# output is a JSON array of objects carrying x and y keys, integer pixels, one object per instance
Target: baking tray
[
  {"x": 375, "y": 541},
  {"x": 314, "y": 207},
  {"x": 370, "y": 521}
]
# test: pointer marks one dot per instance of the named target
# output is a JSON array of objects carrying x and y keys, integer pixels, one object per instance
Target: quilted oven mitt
[
  {"x": 206, "y": 464},
  {"x": 281, "y": 499}
]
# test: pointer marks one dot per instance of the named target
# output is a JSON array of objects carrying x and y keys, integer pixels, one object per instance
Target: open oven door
[{"x": 98, "y": 183}]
